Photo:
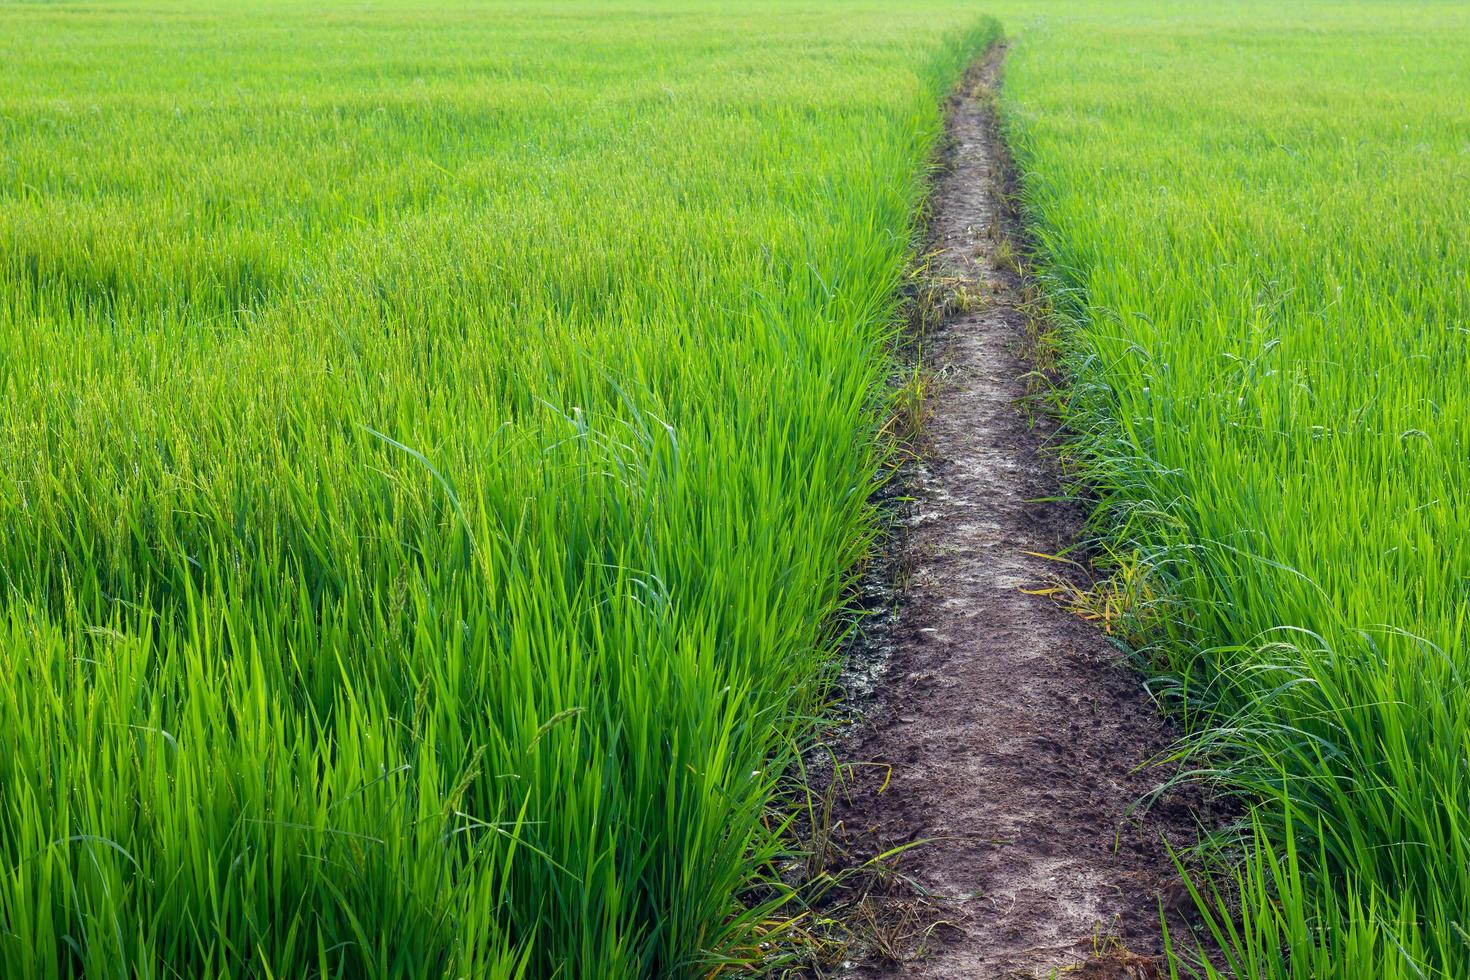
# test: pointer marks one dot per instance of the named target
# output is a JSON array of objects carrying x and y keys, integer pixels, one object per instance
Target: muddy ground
[{"x": 1005, "y": 731}]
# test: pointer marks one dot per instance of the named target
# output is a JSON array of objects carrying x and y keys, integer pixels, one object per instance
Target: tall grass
[
  {"x": 1254, "y": 218},
  {"x": 434, "y": 444}
]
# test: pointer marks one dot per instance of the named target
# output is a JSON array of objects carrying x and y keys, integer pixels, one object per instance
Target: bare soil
[{"x": 1005, "y": 732}]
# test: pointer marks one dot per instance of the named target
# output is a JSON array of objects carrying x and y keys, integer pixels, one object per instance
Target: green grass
[
  {"x": 435, "y": 440},
  {"x": 1253, "y": 218}
]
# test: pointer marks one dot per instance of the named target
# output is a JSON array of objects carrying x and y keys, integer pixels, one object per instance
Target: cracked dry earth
[{"x": 1006, "y": 733}]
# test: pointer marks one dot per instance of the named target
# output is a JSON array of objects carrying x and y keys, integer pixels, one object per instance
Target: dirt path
[{"x": 1011, "y": 731}]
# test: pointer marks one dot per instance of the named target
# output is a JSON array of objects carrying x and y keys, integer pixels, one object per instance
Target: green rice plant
[
  {"x": 434, "y": 446},
  {"x": 1251, "y": 219}
]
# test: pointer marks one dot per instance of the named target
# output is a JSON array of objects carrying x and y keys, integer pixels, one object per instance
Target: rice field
[
  {"x": 1252, "y": 221},
  {"x": 435, "y": 443}
]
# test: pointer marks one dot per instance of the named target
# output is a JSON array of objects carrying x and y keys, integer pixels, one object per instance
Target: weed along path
[{"x": 1006, "y": 735}]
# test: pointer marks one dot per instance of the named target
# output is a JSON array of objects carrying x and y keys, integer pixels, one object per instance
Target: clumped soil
[{"x": 1006, "y": 732}]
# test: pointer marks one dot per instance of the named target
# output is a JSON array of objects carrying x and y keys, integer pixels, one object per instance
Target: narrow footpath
[{"x": 1007, "y": 734}]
